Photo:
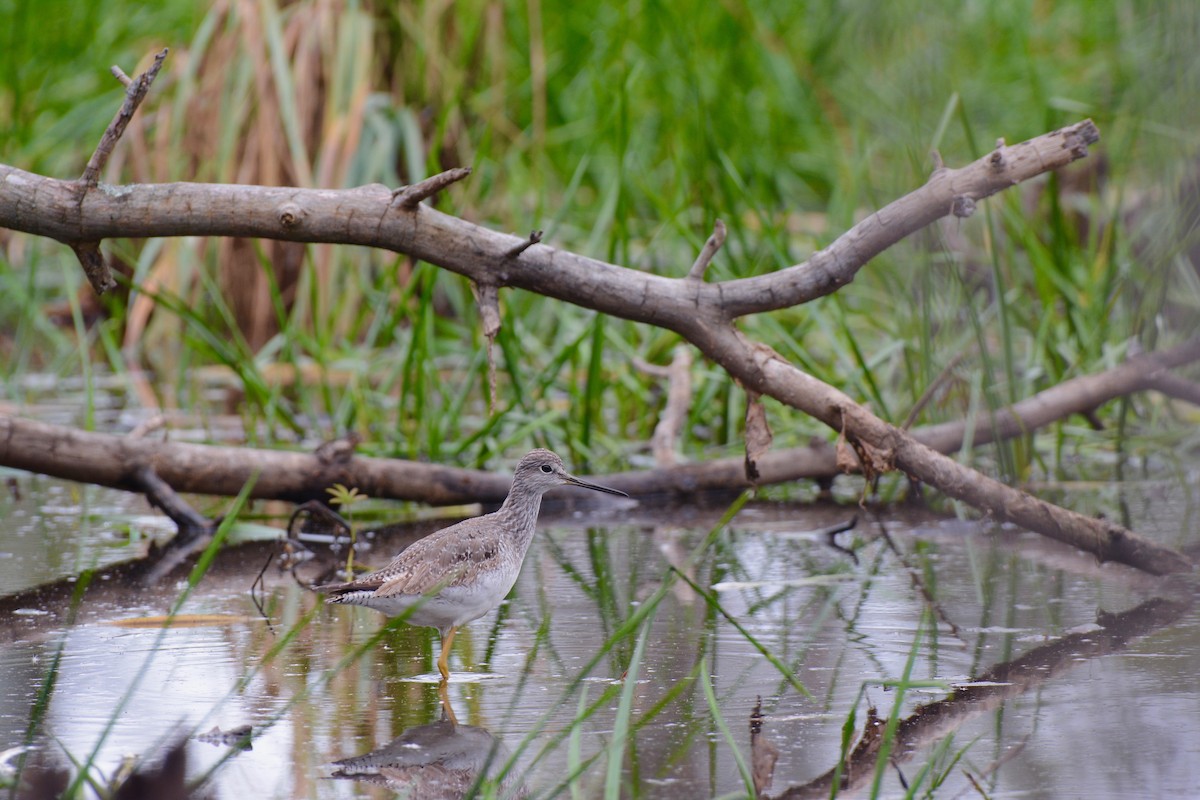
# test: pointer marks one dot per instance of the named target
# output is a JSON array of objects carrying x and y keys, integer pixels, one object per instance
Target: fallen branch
[
  {"x": 890, "y": 447},
  {"x": 367, "y": 216},
  {"x": 114, "y": 461},
  {"x": 1080, "y": 395},
  {"x": 111, "y": 460},
  {"x": 700, "y": 311}
]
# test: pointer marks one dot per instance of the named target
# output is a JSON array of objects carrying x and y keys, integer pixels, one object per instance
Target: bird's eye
[{"x": 546, "y": 468}]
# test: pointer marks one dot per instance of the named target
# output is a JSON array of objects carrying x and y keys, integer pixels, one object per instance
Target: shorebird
[{"x": 460, "y": 573}]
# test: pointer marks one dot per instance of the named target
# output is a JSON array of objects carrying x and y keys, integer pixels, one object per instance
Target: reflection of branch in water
[
  {"x": 438, "y": 761},
  {"x": 831, "y": 538},
  {"x": 1012, "y": 678},
  {"x": 194, "y": 530},
  {"x": 918, "y": 581}
]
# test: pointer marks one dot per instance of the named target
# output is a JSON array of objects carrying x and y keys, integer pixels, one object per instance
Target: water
[{"x": 543, "y": 679}]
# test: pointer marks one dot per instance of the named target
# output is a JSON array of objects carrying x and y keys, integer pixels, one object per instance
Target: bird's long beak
[{"x": 572, "y": 480}]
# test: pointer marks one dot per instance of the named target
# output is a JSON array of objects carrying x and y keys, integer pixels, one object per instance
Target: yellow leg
[{"x": 443, "y": 666}]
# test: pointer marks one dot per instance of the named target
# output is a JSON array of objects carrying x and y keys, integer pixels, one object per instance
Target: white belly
[{"x": 451, "y": 606}]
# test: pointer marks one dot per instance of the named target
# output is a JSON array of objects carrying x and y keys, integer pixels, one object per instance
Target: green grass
[{"x": 624, "y": 132}]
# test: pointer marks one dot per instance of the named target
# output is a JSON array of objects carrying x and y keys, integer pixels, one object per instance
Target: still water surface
[{"x": 944, "y": 599}]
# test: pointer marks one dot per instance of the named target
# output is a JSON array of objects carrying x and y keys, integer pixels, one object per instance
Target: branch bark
[
  {"x": 112, "y": 460},
  {"x": 367, "y": 216},
  {"x": 761, "y": 369},
  {"x": 701, "y": 312},
  {"x": 1080, "y": 395}
]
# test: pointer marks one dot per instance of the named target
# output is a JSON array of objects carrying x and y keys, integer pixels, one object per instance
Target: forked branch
[
  {"x": 702, "y": 312},
  {"x": 88, "y": 250}
]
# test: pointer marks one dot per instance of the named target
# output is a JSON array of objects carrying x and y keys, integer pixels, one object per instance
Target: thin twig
[
  {"x": 120, "y": 75},
  {"x": 135, "y": 93},
  {"x": 88, "y": 253},
  {"x": 409, "y": 197},
  {"x": 533, "y": 238},
  {"x": 696, "y": 273}
]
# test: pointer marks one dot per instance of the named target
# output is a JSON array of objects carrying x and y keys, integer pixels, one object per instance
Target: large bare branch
[
  {"x": 367, "y": 216},
  {"x": 702, "y": 312},
  {"x": 883, "y": 447}
]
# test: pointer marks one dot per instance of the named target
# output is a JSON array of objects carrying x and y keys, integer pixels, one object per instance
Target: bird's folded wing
[{"x": 425, "y": 570}]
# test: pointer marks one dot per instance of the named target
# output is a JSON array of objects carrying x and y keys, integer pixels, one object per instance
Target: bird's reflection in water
[{"x": 438, "y": 761}]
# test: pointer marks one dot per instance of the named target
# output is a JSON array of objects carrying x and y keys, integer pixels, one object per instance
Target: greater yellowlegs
[{"x": 460, "y": 573}]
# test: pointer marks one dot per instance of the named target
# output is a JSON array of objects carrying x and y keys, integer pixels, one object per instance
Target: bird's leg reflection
[{"x": 447, "y": 709}]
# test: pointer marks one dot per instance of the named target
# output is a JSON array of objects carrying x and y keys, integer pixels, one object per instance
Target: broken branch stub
[
  {"x": 516, "y": 250},
  {"x": 135, "y": 92},
  {"x": 409, "y": 197},
  {"x": 707, "y": 252}
]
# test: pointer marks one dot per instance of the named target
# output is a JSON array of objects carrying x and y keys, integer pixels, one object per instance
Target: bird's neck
[{"x": 520, "y": 511}]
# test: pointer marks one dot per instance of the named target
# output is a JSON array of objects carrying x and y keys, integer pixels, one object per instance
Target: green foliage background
[{"x": 624, "y": 131}]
